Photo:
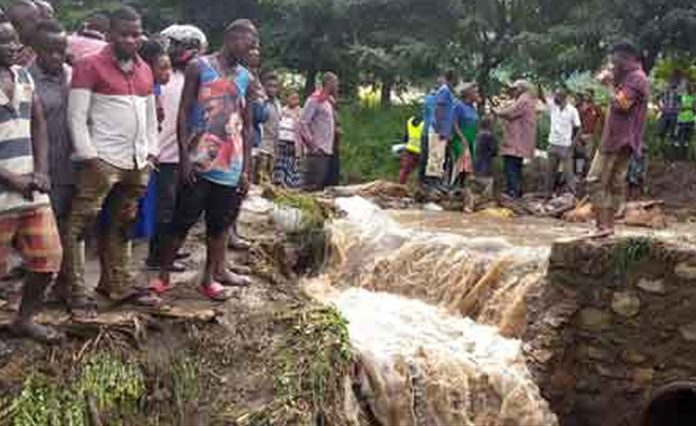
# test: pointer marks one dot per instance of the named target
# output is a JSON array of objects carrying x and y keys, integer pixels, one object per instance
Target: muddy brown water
[{"x": 435, "y": 305}]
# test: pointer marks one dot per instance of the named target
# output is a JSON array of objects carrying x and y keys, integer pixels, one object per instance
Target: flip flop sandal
[
  {"x": 182, "y": 255},
  {"x": 83, "y": 306},
  {"x": 176, "y": 268},
  {"x": 146, "y": 299},
  {"x": 600, "y": 234},
  {"x": 159, "y": 286},
  {"x": 215, "y": 292}
]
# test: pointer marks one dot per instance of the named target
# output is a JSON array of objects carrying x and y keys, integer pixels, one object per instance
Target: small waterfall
[
  {"x": 433, "y": 317},
  {"x": 481, "y": 278}
]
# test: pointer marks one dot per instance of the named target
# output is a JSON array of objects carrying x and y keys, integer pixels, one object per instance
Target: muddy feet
[
  {"x": 231, "y": 279},
  {"x": 36, "y": 332},
  {"x": 83, "y": 306},
  {"x": 599, "y": 234},
  {"x": 238, "y": 243},
  {"x": 216, "y": 292}
]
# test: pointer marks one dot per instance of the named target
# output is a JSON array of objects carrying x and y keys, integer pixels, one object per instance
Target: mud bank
[{"x": 268, "y": 356}]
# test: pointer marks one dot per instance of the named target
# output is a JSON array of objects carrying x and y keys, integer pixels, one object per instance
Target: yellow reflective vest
[{"x": 414, "y": 132}]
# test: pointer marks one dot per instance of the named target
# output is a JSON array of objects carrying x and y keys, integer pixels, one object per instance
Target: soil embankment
[{"x": 268, "y": 356}]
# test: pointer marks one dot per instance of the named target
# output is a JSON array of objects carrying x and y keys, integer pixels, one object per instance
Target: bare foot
[
  {"x": 238, "y": 243},
  {"x": 230, "y": 279}
]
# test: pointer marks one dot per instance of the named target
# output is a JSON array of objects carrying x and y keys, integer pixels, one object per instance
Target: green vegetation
[
  {"x": 314, "y": 214},
  {"x": 309, "y": 366},
  {"x": 105, "y": 383},
  {"x": 368, "y": 135},
  {"x": 104, "y": 387},
  {"x": 185, "y": 374},
  {"x": 111, "y": 383},
  {"x": 630, "y": 251},
  {"x": 407, "y": 42}
]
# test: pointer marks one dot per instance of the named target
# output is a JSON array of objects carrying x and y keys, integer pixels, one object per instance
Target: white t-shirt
[
  {"x": 562, "y": 123},
  {"x": 171, "y": 99}
]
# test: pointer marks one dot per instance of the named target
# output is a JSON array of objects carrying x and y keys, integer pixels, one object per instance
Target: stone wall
[{"x": 614, "y": 321}]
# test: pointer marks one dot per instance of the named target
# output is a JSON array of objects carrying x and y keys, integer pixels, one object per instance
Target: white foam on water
[{"x": 423, "y": 364}]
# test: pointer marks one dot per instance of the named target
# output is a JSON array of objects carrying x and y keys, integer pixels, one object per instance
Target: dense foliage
[{"x": 392, "y": 42}]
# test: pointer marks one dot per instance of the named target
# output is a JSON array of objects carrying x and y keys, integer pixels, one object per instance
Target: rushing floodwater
[{"x": 427, "y": 311}]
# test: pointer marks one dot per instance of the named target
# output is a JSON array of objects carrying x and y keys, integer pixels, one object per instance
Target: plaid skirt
[{"x": 285, "y": 172}]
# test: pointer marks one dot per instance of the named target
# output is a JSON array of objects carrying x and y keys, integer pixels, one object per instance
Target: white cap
[{"x": 184, "y": 33}]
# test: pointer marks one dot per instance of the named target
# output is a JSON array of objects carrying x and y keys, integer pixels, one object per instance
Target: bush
[{"x": 368, "y": 135}]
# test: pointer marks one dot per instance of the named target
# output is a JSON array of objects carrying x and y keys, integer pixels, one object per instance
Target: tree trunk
[
  {"x": 310, "y": 82},
  {"x": 483, "y": 82},
  {"x": 650, "y": 59},
  {"x": 385, "y": 96}
]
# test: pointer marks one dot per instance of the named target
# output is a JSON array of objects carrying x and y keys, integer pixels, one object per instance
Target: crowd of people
[
  {"x": 106, "y": 133},
  {"x": 452, "y": 145},
  {"x": 678, "y": 115}
]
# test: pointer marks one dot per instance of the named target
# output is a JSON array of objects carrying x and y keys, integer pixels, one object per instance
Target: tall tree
[
  {"x": 400, "y": 40},
  {"x": 309, "y": 35}
]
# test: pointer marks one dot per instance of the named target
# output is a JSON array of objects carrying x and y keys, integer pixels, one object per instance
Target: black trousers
[
  {"x": 513, "y": 175},
  {"x": 167, "y": 183}
]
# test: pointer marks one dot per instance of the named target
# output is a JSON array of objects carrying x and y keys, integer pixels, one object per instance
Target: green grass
[
  {"x": 629, "y": 252},
  {"x": 113, "y": 385},
  {"x": 309, "y": 366},
  {"x": 368, "y": 135}
]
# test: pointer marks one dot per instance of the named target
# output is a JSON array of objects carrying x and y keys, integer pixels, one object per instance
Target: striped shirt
[
  {"x": 15, "y": 140},
  {"x": 111, "y": 111}
]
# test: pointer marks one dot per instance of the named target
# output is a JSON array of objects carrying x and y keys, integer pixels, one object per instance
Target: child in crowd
[
  {"x": 268, "y": 150},
  {"x": 486, "y": 151},
  {"x": 285, "y": 172},
  {"x": 153, "y": 52}
]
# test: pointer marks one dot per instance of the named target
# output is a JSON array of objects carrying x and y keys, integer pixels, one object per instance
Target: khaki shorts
[{"x": 607, "y": 179}]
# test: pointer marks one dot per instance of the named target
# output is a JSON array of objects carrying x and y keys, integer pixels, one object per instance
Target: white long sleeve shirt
[{"x": 111, "y": 111}]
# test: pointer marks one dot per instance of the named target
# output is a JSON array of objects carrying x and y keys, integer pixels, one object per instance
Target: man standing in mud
[
  {"x": 622, "y": 136},
  {"x": 215, "y": 138},
  {"x": 26, "y": 220},
  {"x": 113, "y": 121}
]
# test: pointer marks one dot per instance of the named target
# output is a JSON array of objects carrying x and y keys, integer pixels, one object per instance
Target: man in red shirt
[
  {"x": 591, "y": 117},
  {"x": 112, "y": 117},
  {"x": 622, "y": 136}
]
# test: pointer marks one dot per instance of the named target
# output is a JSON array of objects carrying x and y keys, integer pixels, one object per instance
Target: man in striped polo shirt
[
  {"x": 112, "y": 116},
  {"x": 26, "y": 219}
]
